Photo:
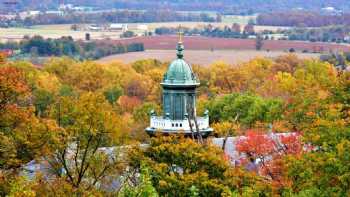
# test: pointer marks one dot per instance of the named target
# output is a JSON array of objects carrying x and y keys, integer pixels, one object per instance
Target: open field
[
  {"x": 51, "y": 31},
  {"x": 201, "y": 57},
  {"x": 207, "y": 43},
  {"x": 238, "y": 19},
  {"x": 57, "y": 31},
  {"x": 228, "y": 22}
]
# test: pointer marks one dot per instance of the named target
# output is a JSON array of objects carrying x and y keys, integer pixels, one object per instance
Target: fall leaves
[
  {"x": 265, "y": 151},
  {"x": 180, "y": 166},
  {"x": 67, "y": 112}
]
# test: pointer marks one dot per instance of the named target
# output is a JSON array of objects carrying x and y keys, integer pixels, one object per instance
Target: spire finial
[
  {"x": 180, "y": 46},
  {"x": 180, "y": 33}
]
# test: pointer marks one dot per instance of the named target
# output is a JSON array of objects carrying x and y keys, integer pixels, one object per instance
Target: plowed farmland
[
  {"x": 206, "y": 43},
  {"x": 201, "y": 57}
]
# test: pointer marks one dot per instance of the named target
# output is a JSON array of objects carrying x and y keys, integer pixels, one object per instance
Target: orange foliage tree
[
  {"x": 2, "y": 58},
  {"x": 267, "y": 152},
  {"x": 128, "y": 104},
  {"x": 12, "y": 85}
]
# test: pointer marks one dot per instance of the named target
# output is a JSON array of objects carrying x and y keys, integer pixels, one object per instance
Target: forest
[
  {"x": 235, "y": 31},
  {"x": 302, "y": 19},
  {"x": 84, "y": 122},
  {"x": 120, "y": 16},
  {"x": 337, "y": 34}
]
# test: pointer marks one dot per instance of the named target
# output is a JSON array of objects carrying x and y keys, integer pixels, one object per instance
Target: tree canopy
[{"x": 85, "y": 122}]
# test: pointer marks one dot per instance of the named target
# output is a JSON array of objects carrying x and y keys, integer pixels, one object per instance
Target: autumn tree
[
  {"x": 59, "y": 66},
  {"x": 323, "y": 171},
  {"x": 266, "y": 151},
  {"x": 226, "y": 129},
  {"x": 21, "y": 131},
  {"x": 23, "y": 136},
  {"x": 89, "y": 127},
  {"x": 2, "y": 58},
  {"x": 180, "y": 167},
  {"x": 220, "y": 78}
]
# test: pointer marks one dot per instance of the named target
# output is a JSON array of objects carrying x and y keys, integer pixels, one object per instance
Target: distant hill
[{"x": 229, "y": 6}]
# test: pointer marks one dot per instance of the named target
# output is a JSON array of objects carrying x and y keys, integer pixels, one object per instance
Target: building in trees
[{"x": 179, "y": 101}]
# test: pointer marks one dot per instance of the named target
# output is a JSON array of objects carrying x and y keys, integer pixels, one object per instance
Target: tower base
[{"x": 153, "y": 132}]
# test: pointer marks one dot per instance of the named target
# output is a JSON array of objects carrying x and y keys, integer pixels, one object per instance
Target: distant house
[
  {"x": 330, "y": 10},
  {"x": 252, "y": 37},
  {"x": 30, "y": 13},
  {"x": 347, "y": 38},
  {"x": 95, "y": 28},
  {"x": 55, "y": 12},
  {"x": 65, "y": 7},
  {"x": 275, "y": 36},
  {"x": 83, "y": 8},
  {"x": 7, "y": 17},
  {"x": 118, "y": 27},
  {"x": 142, "y": 27}
]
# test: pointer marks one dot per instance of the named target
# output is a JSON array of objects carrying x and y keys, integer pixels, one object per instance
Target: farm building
[
  {"x": 118, "y": 27},
  {"x": 142, "y": 27},
  {"x": 30, "y": 13},
  {"x": 94, "y": 27},
  {"x": 7, "y": 16}
]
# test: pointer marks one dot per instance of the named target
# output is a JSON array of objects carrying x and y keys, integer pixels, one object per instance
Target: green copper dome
[{"x": 179, "y": 71}]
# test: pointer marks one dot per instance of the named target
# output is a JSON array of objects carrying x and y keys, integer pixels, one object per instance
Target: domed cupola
[
  {"x": 179, "y": 101},
  {"x": 179, "y": 71}
]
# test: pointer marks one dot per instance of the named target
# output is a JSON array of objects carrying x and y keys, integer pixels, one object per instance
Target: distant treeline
[
  {"x": 338, "y": 34},
  {"x": 66, "y": 46},
  {"x": 222, "y": 6},
  {"x": 235, "y": 31},
  {"x": 111, "y": 17},
  {"x": 302, "y": 19}
]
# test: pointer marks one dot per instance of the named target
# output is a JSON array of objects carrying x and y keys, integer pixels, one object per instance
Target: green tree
[
  {"x": 182, "y": 167},
  {"x": 43, "y": 99},
  {"x": 249, "y": 108},
  {"x": 143, "y": 188},
  {"x": 113, "y": 94}
]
